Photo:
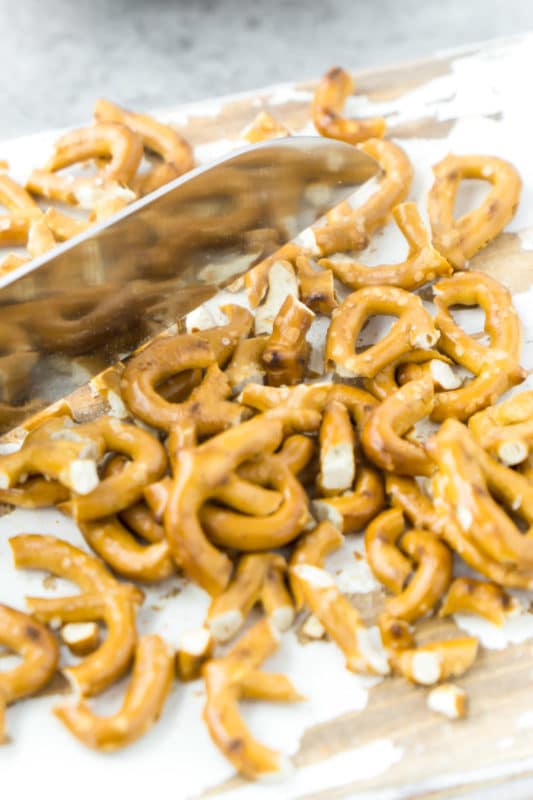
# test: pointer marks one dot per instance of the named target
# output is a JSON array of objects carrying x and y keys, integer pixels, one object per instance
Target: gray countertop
[{"x": 57, "y": 56}]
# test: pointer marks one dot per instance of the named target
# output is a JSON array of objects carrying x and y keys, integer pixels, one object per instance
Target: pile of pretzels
[{"x": 223, "y": 458}]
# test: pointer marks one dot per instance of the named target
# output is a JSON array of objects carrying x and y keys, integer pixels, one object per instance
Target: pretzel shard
[
  {"x": 328, "y": 102},
  {"x": 104, "y": 599},
  {"x": 506, "y": 430},
  {"x": 386, "y": 560},
  {"x": 396, "y": 635},
  {"x": 285, "y": 356},
  {"x": 351, "y": 511},
  {"x": 143, "y": 703},
  {"x": 161, "y": 139},
  {"x": 224, "y": 678},
  {"x": 472, "y": 596},
  {"x": 282, "y": 283},
  {"x": 422, "y": 265},
  {"x": 81, "y": 638},
  {"x": 40, "y": 238},
  {"x": 35, "y": 493},
  {"x": 382, "y": 434},
  {"x": 340, "y": 619},
  {"x": 22, "y": 209},
  {"x": 405, "y": 494},
  {"x": 275, "y": 597},
  {"x": 229, "y": 610},
  {"x": 437, "y": 661},
  {"x": 414, "y": 329},
  {"x": 430, "y": 580},
  {"x": 412, "y": 366},
  {"x": 350, "y": 229},
  {"x": 264, "y": 127},
  {"x": 257, "y": 279},
  {"x": 195, "y": 648},
  {"x": 312, "y": 548},
  {"x": 460, "y": 239},
  {"x": 246, "y": 365},
  {"x": 438, "y": 370},
  {"x": 449, "y": 700},
  {"x": 317, "y": 286},
  {"x": 337, "y": 450}
]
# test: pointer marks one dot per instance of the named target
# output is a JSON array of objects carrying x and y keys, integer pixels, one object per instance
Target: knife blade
[{"x": 94, "y": 299}]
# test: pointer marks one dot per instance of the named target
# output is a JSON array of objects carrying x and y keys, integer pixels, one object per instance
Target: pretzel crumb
[
  {"x": 313, "y": 628},
  {"x": 449, "y": 700}
]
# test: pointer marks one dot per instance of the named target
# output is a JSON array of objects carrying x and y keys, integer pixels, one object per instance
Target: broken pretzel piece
[
  {"x": 287, "y": 350},
  {"x": 506, "y": 430},
  {"x": 328, "y": 102},
  {"x": 472, "y": 596}
]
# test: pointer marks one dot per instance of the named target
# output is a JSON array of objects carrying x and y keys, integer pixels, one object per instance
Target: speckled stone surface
[{"x": 57, "y": 56}]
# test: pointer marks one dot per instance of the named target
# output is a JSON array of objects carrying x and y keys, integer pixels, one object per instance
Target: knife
[{"x": 93, "y": 300}]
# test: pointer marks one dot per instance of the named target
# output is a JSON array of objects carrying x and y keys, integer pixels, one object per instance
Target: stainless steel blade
[{"x": 94, "y": 299}]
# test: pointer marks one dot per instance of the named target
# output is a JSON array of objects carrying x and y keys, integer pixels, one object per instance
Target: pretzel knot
[
  {"x": 108, "y": 140},
  {"x": 414, "y": 329},
  {"x": 329, "y": 99},
  {"x": 458, "y": 240},
  {"x": 496, "y": 367}
]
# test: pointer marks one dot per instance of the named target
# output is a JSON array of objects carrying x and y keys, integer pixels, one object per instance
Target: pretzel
[
  {"x": 317, "y": 287},
  {"x": 246, "y": 365},
  {"x": 422, "y": 265},
  {"x": 161, "y": 139},
  {"x": 449, "y": 700},
  {"x": 228, "y": 611},
  {"x": 40, "y": 238},
  {"x": 404, "y": 493},
  {"x": 382, "y": 434},
  {"x": 312, "y": 548},
  {"x": 386, "y": 560},
  {"x": 35, "y": 493},
  {"x": 57, "y": 451},
  {"x": 15, "y": 225},
  {"x": 471, "y": 596},
  {"x": 103, "y": 598},
  {"x": 194, "y": 649},
  {"x": 224, "y": 679},
  {"x": 12, "y": 261},
  {"x": 117, "y": 492},
  {"x": 39, "y": 652},
  {"x": 414, "y": 329},
  {"x": 282, "y": 283},
  {"x": 437, "y": 661},
  {"x": 460, "y": 239},
  {"x": 430, "y": 580},
  {"x": 286, "y": 353},
  {"x": 412, "y": 366},
  {"x": 341, "y": 621},
  {"x": 351, "y": 511},
  {"x": 202, "y": 470},
  {"x": 256, "y": 280},
  {"x": 461, "y": 486},
  {"x": 276, "y": 599},
  {"x": 81, "y": 638},
  {"x": 274, "y": 687},
  {"x": 109, "y": 140},
  {"x": 350, "y": 229},
  {"x": 337, "y": 450},
  {"x": 264, "y": 127},
  {"x": 143, "y": 703},
  {"x": 121, "y": 551},
  {"x": 396, "y": 635},
  {"x": 506, "y": 430},
  {"x": 330, "y": 96}
]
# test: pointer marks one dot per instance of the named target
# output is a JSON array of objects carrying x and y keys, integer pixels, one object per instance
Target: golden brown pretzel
[
  {"x": 340, "y": 619},
  {"x": 405, "y": 493},
  {"x": 430, "y": 580},
  {"x": 386, "y": 560},
  {"x": 142, "y": 706},
  {"x": 22, "y": 210},
  {"x": 382, "y": 434},
  {"x": 246, "y": 365},
  {"x": 35, "y": 493},
  {"x": 412, "y": 366},
  {"x": 351, "y": 511},
  {"x": 161, "y": 139},
  {"x": 255, "y": 573},
  {"x": 460, "y": 239},
  {"x": 103, "y": 598},
  {"x": 202, "y": 471},
  {"x": 437, "y": 661},
  {"x": 39, "y": 652},
  {"x": 109, "y": 140},
  {"x": 422, "y": 265},
  {"x": 330, "y": 96},
  {"x": 286, "y": 353},
  {"x": 195, "y": 648},
  {"x": 312, "y": 548},
  {"x": 471, "y": 596},
  {"x": 317, "y": 287},
  {"x": 414, "y": 329},
  {"x": 506, "y": 430},
  {"x": 81, "y": 638},
  {"x": 337, "y": 450},
  {"x": 256, "y": 279},
  {"x": 351, "y": 229},
  {"x": 225, "y": 679}
]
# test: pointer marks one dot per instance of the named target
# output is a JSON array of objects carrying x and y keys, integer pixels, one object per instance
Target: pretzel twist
[
  {"x": 350, "y": 229},
  {"x": 471, "y": 596},
  {"x": 506, "y": 430},
  {"x": 414, "y": 329},
  {"x": 226, "y": 680},
  {"x": 286, "y": 353},
  {"x": 142, "y": 706},
  {"x": 461, "y": 239},
  {"x": 422, "y": 265}
]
